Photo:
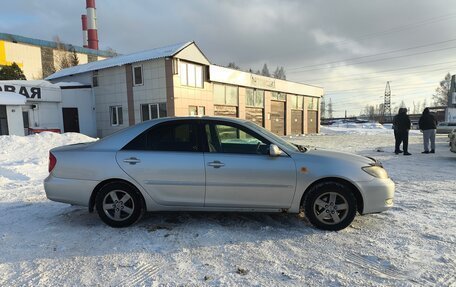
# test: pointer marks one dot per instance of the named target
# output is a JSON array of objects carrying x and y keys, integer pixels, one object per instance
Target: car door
[
  {"x": 167, "y": 161},
  {"x": 240, "y": 172}
]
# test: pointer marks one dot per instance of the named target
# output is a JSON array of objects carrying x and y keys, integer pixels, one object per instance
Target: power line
[
  {"x": 404, "y": 27},
  {"x": 396, "y": 29},
  {"x": 379, "y": 72},
  {"x": 372, "y": 55},
  {"x": 372, "y": 88},
  {"x": 331, "y": 82},
  {"x": 370, "y": 99},
  {"x": 377, "y": 101},
  {"x": 381, "y": 59},
  {"x": 373, "y": 95}
]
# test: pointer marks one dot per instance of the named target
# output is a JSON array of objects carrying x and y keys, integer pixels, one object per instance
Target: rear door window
[{"x": 179, "y": 136}]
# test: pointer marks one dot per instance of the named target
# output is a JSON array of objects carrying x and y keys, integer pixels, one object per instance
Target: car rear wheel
[
  {"x": 330, "y": 206},
  {"x": 119, "y": 204}
]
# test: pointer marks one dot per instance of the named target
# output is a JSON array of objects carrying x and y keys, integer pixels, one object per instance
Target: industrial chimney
[
  {"x": 92, "y": 25},
  {"x": 85, "y": 42}
]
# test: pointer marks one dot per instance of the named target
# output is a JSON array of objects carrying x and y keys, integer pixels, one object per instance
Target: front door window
[{"x": 224, "y": 138}]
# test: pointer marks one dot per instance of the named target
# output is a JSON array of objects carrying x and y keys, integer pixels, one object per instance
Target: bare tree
[
  {"x": 233, "y": 65},
  {"x": 279, "y": 73},
  {"x": 440, "y": 97},
  {"x": 65, "y": 56},
  {"x": 323, "y": 107},
  {"x": 330, "y": 109}
]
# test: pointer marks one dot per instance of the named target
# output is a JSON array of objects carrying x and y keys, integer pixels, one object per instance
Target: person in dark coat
[
  {"x": 397, "y": 138},
  {"x": 402, "y": 125},
  {"x": 428, "y": 125}
]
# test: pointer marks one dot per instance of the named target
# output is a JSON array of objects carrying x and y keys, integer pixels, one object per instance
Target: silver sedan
[{"x": 214, "y": 164}]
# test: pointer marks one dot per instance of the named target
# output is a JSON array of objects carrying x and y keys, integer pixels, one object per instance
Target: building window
[
  {"x": 137, "y": 75},
  {"x": 297, "y": 102},
  {"x": 95, "y": 79},
  {"x": 254, "y": 98},
  {"x": 226, "y": 95},
  {"x": 279, "y": 96},
  {"x": 153, "y": 111},
  {"x": 196, "y": 111},
  {"x": 191, "y": 75},
  {"x": 312, "y": 105},
  {"x": 116, "y": 116}
]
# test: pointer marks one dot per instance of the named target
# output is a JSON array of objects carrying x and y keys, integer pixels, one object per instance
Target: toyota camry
[{"x": 214, "y": 164}]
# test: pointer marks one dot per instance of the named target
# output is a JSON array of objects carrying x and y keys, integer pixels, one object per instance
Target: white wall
[
  {"x": 15, "y": 121},
  {"x": 153, "y": 89},
  {"x": 82, "y": 100},
  {"x": 111, "y": 91},
  {"x": 46, "y": 115}
]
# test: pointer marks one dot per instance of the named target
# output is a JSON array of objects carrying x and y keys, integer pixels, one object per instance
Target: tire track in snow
[
  {"x": 27, "y": 276},
  {"x": 144, "y": 272},
  {"x": 449, "y": 280},
  {"x": 386, "y": 272}
]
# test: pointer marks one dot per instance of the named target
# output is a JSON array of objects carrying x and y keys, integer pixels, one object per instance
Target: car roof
[
  {"x": 122, "y": 137},
  {"x": 212, "y": 118}
]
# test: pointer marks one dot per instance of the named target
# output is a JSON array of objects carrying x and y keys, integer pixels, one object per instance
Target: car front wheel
[
  {"x": 119, "y": 204},
  {"x": 330, "y": 206}
]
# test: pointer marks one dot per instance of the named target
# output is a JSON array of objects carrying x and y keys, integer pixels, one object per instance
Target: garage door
[
  {"x": 255, "y": 115},
  {"x": 225, "y": 111},
  {"x": 312, "y": 122},
  {"x": 278, "y": 118},
  {"x": 296, "y": 122}
]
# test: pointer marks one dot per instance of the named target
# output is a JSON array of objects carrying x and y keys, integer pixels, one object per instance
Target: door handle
[
  {"x": 132, "y": 160},
  {"x": 216, "y": 164}
]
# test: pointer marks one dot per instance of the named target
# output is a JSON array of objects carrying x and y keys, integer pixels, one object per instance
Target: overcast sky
[{"x": 350, "y": 48}]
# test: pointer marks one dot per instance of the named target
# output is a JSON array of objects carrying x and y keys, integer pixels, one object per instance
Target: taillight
[{"x": 52, "y": 162}]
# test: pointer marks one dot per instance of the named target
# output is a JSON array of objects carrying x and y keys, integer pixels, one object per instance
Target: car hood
[
  {"x": 326, "y": 163},
  {"x": 343, "y": 156}
]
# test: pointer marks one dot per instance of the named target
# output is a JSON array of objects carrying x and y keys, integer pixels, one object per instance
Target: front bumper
[
  {"x": 378, "y": 195},
  {"x": 72, "y": 191}
]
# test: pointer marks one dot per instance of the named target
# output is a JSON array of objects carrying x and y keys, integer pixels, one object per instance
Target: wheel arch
[
  {"x": 353, "y": 188},
  {"x": 99, "y": 186}
]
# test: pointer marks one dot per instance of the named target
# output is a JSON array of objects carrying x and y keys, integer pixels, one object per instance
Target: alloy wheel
[{"x": 330, "y": 208}]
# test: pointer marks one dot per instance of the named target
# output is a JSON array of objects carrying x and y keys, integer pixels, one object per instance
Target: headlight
[{"x": 376, "y": 171}]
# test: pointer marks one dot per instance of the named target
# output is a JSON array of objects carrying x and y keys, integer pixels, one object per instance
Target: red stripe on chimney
[
  {"x": 93, "y": 39},
  {"x": 84, "y": 22},
  {"x": 90, "y": 3}
]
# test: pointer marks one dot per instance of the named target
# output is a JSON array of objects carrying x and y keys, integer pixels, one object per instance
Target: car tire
[
  {"x": 119, "y": 204},
  {"x": 330, "y": 206}
]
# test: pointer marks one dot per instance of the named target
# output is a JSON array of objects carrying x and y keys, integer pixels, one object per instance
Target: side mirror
[{"x": 274, "y": 150}]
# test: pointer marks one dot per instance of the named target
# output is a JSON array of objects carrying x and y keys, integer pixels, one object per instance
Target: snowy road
[{"x": 43, "y": 243}]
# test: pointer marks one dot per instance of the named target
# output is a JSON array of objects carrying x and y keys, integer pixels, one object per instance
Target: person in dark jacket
[
  {"x": 428, "y": 125},
  {"x": 397, "y": 138},
  {"x": 402, "y": 125}
]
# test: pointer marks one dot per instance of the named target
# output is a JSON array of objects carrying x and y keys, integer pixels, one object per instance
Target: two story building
[{"x": 179, "y": 80}]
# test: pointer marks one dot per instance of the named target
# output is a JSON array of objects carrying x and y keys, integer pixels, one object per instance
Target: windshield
[{"x": 276, "y": 138}]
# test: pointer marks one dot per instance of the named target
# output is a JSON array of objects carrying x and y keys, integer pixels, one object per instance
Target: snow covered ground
[{"x": 44, "y": 243}]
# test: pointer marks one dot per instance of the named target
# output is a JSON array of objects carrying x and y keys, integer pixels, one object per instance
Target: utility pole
[{"x": 386, "y": 115}]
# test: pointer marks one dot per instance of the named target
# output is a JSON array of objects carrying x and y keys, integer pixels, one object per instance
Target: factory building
[
  {"x": 39, "y": 58},
  {"x": 179, "y": 80}
]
